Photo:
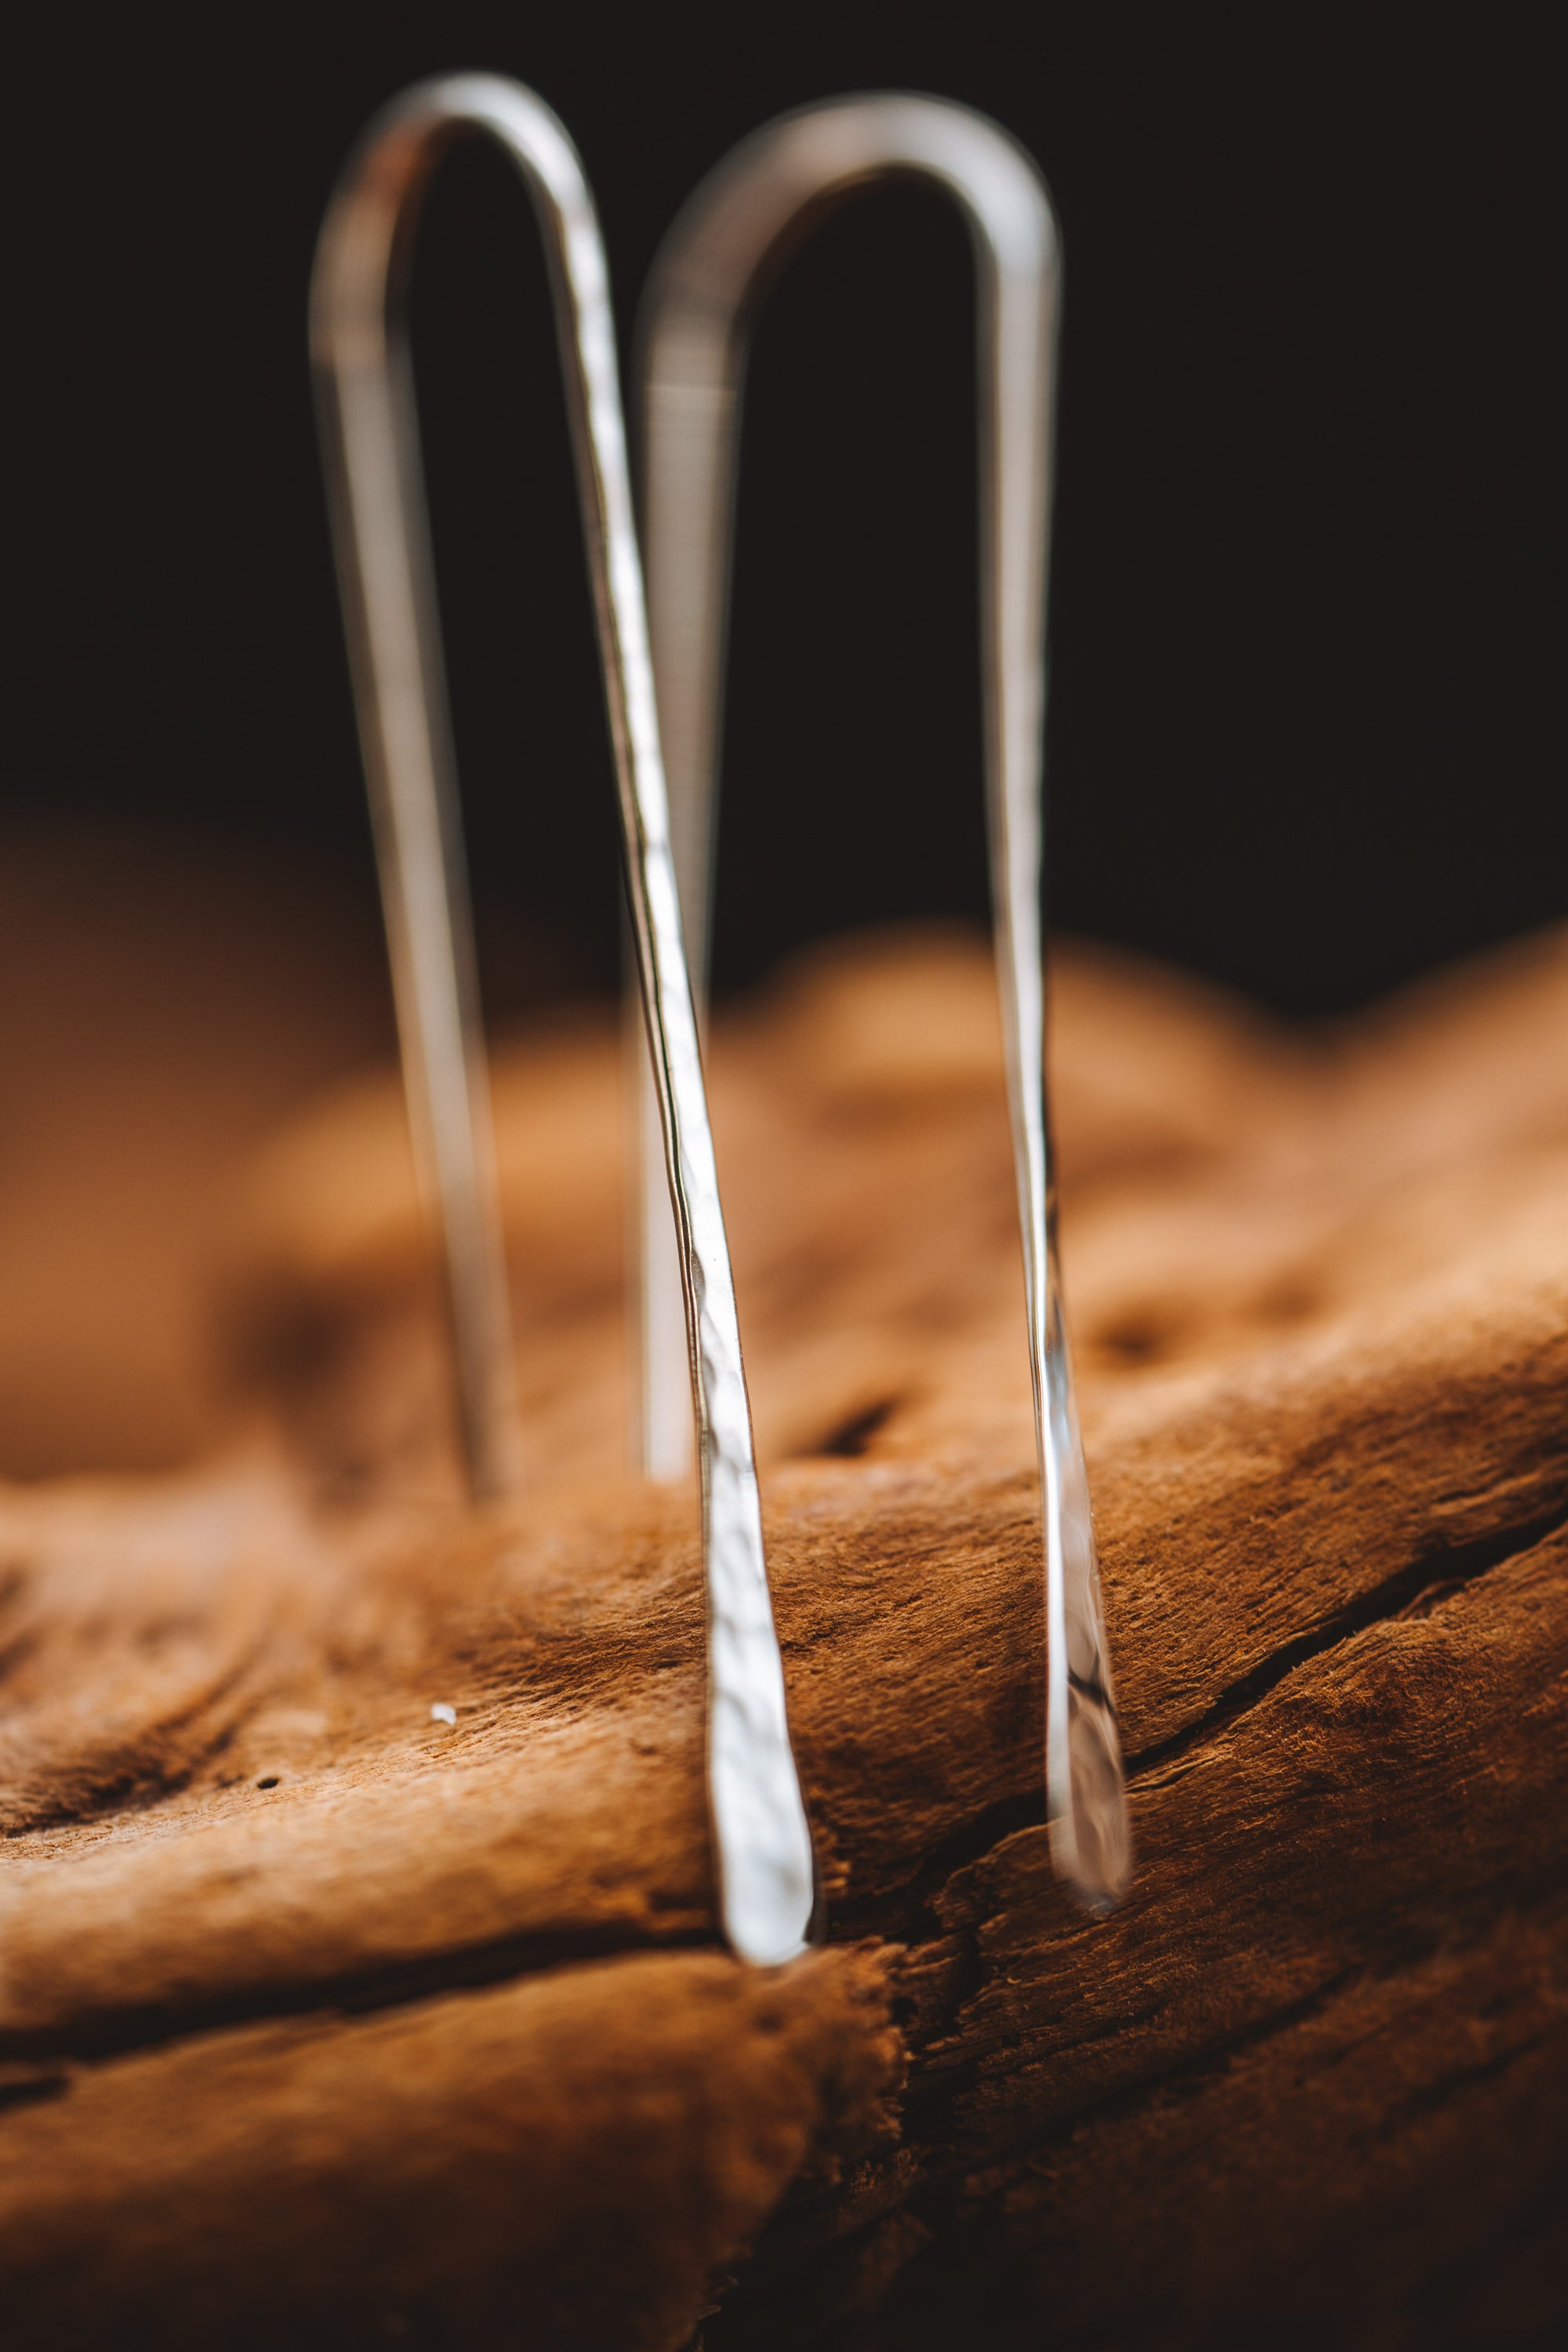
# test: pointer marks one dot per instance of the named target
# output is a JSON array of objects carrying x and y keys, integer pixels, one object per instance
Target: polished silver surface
[
  {"x": 761, "y": 1842},
  {"x": 708, "y": 278}
]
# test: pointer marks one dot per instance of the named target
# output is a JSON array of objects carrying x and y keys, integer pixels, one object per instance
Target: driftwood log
[{"x": 324, "y": 2021}]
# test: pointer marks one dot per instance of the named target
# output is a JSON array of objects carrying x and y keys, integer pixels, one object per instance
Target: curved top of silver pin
[
  {"x": 749, "y": 212},
  {"x": 773, "y": 187},
  {"x": 370, "y": 435}
]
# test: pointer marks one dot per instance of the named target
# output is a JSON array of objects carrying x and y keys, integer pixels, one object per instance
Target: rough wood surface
[{"x": 322, "y": 2021}]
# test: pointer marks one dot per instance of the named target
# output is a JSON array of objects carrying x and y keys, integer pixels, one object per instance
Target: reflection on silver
[
  {"x": 370, "y": 432},
  {"x": 708, "y": 278}
]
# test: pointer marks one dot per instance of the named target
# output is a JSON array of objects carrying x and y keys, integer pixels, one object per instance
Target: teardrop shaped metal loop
[
  {"x": 710, "y": 274},
  {"x": 369, "y": 435}
]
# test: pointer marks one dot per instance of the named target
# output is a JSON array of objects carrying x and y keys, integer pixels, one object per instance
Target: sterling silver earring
[
  {"x": 708, "y": 279},
  {"x": 370, "y": 436}
]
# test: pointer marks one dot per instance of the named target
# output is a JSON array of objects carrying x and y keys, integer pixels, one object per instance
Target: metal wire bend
[
  {"x": 369, "y": 435},
  {"x": 706, "y": 281}
]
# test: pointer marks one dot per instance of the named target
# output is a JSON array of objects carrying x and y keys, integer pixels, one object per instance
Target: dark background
[{"x": 1306, "y": 576}]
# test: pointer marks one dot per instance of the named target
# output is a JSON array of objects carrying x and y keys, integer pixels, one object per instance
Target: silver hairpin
[
  {"x": 370, "y": 434},
  {"x": 707, "y": 279}
]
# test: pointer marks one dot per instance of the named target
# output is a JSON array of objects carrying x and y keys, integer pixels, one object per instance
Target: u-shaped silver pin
[
  {"x": 708, "y": 279},
  {"x": 370, "y": 435}
]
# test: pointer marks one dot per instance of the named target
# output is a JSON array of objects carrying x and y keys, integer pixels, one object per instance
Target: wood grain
[{"x": 322, "y": 2021}]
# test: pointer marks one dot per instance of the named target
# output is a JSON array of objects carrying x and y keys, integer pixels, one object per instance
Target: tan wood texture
[{"x": 324, "y": 2021}]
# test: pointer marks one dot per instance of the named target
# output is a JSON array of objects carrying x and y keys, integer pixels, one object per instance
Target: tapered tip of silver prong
[{"x": 1092, "y": 1846}]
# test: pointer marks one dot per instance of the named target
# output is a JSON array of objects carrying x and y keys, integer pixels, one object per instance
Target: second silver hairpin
[{"x": 708, "y": 279}]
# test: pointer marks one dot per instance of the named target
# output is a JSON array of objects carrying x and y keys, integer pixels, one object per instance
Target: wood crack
[
  {"x": 1434, "y": 1577},
  {"x": 110, "y": 2033}
]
